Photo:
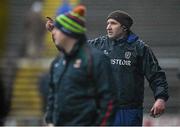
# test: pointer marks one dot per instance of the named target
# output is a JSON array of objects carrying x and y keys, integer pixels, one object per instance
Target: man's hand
[
  {"x": 50, "y": 125},
  {"x": 158, "y": 108},
  {"x": 49, "y": 24}
]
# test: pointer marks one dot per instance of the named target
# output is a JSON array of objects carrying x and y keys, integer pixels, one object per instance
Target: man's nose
[{"x": 108, "y": 27}]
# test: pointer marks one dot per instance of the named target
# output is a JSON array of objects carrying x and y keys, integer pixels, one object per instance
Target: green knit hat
[{"x": 72, "y": 23}]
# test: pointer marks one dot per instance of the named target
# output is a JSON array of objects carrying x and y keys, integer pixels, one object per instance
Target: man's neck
[{"x": 122, "y": 36}]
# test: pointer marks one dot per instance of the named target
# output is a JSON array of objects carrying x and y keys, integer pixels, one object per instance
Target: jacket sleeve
[
  {"x": 154, "y": 74},
  {"x": 50, "y": 99},
  {"x": 105, "y": 91}
]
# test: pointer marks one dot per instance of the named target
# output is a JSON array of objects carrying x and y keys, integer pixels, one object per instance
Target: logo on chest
[
  {"x": 106, "y": 52},
  {"x": 123, "y": 61},
  {"x": 127, "y": 55}
]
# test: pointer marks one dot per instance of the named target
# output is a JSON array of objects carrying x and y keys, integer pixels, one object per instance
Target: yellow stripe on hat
[{"x": 73, "y": 23}]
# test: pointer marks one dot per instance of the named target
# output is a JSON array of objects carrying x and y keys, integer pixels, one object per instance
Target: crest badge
[
  {"x": 77, "y": 63},
  {"x": 127, "y": 55},
  {"x": 106, "y": 52}
]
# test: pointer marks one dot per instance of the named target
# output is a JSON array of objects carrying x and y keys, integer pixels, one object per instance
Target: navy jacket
[{"x": 131, "y": 61}]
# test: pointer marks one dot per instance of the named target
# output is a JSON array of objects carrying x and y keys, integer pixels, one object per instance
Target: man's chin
[
  {"x": 111, "y": 37},
  {"x": 60, "y": 48}
]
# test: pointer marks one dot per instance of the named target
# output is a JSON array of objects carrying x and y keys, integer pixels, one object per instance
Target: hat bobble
[
  {"x": 73, "y": 22},
  {"x": 81, "y": 10}
]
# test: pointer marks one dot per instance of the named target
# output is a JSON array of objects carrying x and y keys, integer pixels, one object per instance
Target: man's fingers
[
  {"x": 49, "y": 25},
  {"x": 154, "y": 111},
  {"x": 49, "y": 18}
]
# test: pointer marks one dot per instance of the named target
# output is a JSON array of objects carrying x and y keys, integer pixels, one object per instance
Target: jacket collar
[{"x": 130, "y": 38}]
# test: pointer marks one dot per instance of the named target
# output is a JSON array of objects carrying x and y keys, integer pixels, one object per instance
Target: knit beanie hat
[
  {"x": 122, "y": 17},
  {"x": 72, "y": 23}
]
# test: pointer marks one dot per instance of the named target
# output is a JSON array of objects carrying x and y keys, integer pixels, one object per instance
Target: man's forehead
[{"x": 112, "y": 21}]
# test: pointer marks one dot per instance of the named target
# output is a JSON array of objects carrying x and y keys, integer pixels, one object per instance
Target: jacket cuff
[{"x": 162, "y": 97}]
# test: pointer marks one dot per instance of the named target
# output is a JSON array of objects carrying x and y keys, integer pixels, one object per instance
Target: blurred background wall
[
  {"x": 3, "y": 24},
  {"x": 26, "y": 57}
]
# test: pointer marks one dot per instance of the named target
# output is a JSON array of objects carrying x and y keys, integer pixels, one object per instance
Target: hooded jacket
[{"x": 132, "y": 61}]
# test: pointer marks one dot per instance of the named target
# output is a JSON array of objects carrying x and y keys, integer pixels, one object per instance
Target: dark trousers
[{"x": 129, "y": 117}]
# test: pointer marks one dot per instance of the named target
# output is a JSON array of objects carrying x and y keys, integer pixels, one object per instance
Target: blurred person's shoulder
[{"x": 97, "y": 54}]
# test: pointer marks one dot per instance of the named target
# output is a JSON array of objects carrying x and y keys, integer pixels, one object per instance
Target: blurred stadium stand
[{"x": 156, "y": 22}]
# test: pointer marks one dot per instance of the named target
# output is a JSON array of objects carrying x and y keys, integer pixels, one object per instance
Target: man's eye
[{"x": 113, "y": 23}]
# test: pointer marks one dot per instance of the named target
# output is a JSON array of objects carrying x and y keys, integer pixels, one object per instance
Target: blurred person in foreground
[
  {"x": 3, "y": 103},
  {"x": 80, "y": 87},
  {"x": 132, "y": 60}
]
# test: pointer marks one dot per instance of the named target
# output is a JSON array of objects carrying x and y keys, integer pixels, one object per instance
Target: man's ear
[{"x": 124, "y": 28}]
